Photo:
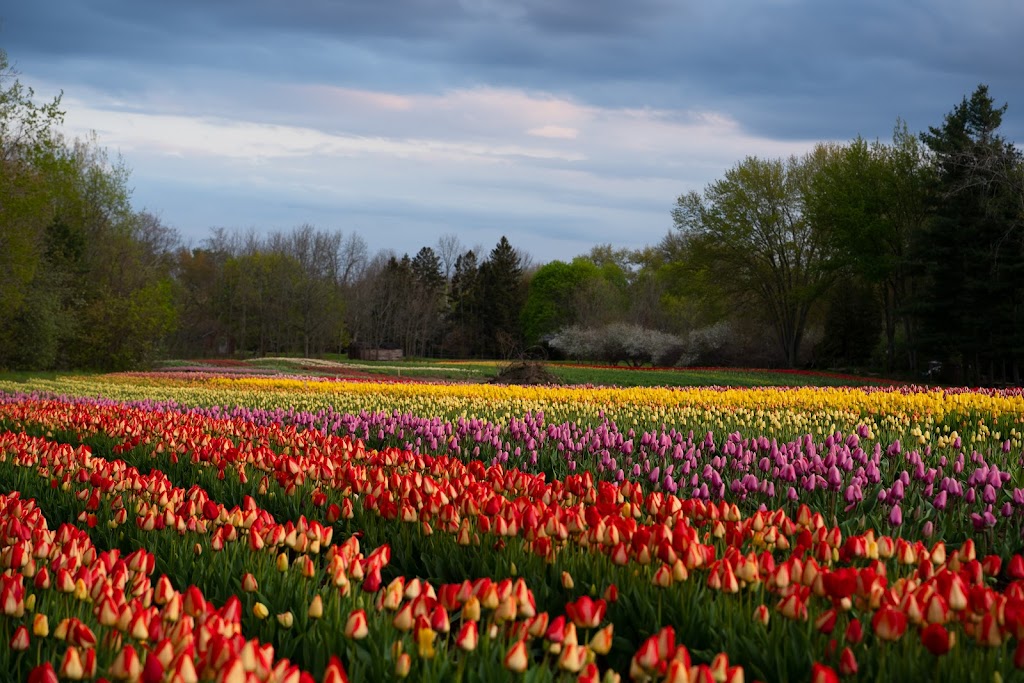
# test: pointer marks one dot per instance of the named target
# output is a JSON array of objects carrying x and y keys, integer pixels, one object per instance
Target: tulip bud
[
  {"x": 316, "y": 607},
  {"x": 823, "y": 674},
  {"x": 402, "y": 665},
  {"x": 356, "y": 626},
  {"x": 517, "y": 657},
  {"x": 20, "y": 639},
  {"x": 847, "y": 662},
  {"x": 601, "y": 642},
  {"x": 471, "y": 609},
  {"x": 40, "y": 626},
  {"x": 286, "y": 619},
  {"x": 260, "y": 611},
  {"x": 468, "y": 636}
]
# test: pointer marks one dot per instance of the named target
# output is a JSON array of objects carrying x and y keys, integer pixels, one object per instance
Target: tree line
[{"x": 901, "y": 256}]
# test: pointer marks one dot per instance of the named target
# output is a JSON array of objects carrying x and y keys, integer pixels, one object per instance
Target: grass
[
  {"x": 483, "y": 370},
  {"x": 691, "y": 377},
  {"x": 568, "y": 373}
]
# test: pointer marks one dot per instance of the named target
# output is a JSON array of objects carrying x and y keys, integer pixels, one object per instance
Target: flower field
[{"x": 231, "y": 527}]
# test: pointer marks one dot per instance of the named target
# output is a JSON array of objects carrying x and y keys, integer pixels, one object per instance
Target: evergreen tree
[
  {"x": 463, "y": 297},
  {"x": 972, "y": 252},
  {"x": 502, "y": 295}
]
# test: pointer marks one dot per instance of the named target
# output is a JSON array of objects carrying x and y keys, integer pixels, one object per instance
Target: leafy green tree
[
  {"x": 871, "y": 200},
  {"x": 552, "y": 296},
  {"x": 81, "y": 284},
  {"x": 751, "y": 228},
  {"x": 26, "y": 136}
]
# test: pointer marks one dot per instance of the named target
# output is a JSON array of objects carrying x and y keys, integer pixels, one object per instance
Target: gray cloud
[
  {"x": 799, "y": 67},
  {"x": 529, "y": 102}
]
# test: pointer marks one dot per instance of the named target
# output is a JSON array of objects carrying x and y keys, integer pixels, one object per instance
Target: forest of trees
[{"x": 892, "y": 256}]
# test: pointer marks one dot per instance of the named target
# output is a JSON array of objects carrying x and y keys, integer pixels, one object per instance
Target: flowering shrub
[{"x": 619, "y": 342}]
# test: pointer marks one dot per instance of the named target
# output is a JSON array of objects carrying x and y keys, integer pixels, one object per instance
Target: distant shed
[{"x": 367, "y": 353}]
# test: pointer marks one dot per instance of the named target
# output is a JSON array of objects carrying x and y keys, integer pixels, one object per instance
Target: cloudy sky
[{"x": 559, "y": 123}]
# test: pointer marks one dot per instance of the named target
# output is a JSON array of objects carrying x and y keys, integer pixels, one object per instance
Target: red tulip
[
  {"x": 572, "y": 657},
  {"x": 590, "y": 674},
  {"x": 1016, "y": 567},
  {"x": 937, "y": 611},
  {"x": 937, "y": 639},
  {"x": 826, "y": 621},
  {"x": 823, "y": 674},
  {"x": 889, "y": 623},
  {"x": 194, "y": 603},
  {"x": 12, "y": 595},
  {"x": 126, "y": 665},
  {"x": 1018, "y": 655},
  {"x": 793, "y": 607},
  {"x": 662, "y": 576},
  {"x": 988, "y": 632},
  {"x": 372, "y": 580},
  {"x": 20, "y": 639},
  {"x": 646, "y": 658},
  {"x": 43, "y": 674},
  {"x": 468, "y": 636},
  {"x": 335, "y": 672},
  {"x": 71, "y": 665},
  {"x": 854, "y": 632},
  {"x": 847, "y": 662},
  {"x": 841, "y": 583},
  {"x": 585, "y": 612},
  {"x": 356, "y": 627}
]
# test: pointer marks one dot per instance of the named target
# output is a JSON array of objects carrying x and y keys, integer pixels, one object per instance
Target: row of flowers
[
  {"x": 402, "y": 607},
  {"x": 804, "y": 564},
  {"x": 942, "y": 484}
]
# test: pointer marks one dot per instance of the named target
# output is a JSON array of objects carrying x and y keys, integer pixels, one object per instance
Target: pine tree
[
  {"x": 973, "y": 301},
  {"x": 502, "y": 296}
]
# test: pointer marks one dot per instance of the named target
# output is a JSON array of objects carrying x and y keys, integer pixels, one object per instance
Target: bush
[{"x": 619, "y": 342}]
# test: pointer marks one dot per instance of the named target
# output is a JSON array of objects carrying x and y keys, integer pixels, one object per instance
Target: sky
[{"x": 561, "y": 124}]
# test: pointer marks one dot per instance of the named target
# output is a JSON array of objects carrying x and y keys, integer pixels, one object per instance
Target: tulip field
[{"x": 202, "y": 526}]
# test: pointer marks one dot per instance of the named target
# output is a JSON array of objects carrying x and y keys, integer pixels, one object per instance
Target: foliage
[
  {"x": 971, "y": 303},
  {"x": 751, "y": 226}
]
